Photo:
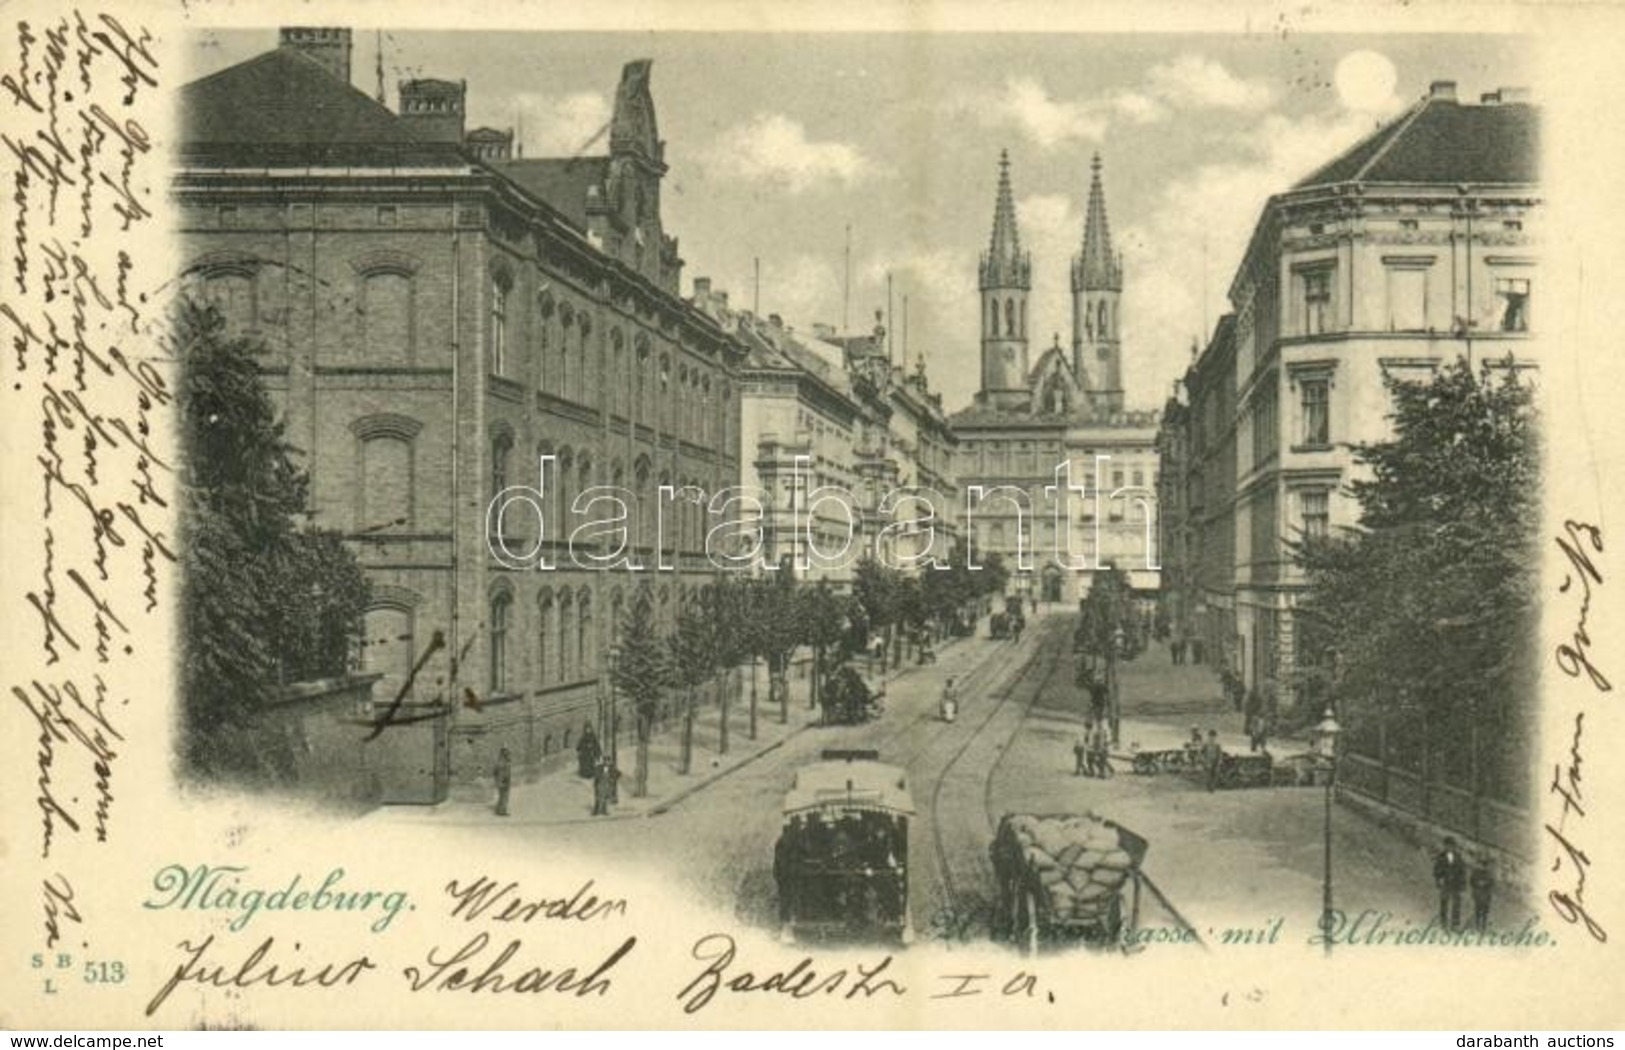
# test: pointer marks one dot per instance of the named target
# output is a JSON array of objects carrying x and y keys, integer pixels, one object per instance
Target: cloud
[
  {"x": 772, "y": 148},
  {"x": 1192, "y": 240},
  {"x": 1194, "y": 82},
  {"x": 562, "y": 125},
  {"x": 1187, "y": 83}
]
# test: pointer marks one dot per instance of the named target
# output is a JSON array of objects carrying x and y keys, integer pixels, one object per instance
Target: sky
[{"x": 777, "y": 143}]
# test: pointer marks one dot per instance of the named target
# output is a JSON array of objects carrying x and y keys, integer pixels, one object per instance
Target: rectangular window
[
  {"x": 1407, "y": 298},
  {"x": 1317, "y": 429},
  {"x": 1512, "y": 297},
  {"x": 1316, "y": 517},
  {"x": 1317, "y": 301}
]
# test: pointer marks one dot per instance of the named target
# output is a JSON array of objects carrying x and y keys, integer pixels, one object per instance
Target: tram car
[
  {"x": 1060, "y": 880},
  {"x": 841, "y": 862}
]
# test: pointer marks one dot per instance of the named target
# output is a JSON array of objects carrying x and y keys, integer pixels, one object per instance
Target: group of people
[
  {"x": 1092, "y": 751},
  {"x": 1205, "y": 754},
  {"x": 1453, "y": 877},
  {"x": 592, "y": 763},
  {"x": 1185, "y": 650}
]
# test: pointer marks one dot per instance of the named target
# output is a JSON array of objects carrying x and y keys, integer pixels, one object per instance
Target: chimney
[
  {"x": 702, "y": 290},
  {"x": 1513, "y": 94},
  {"x": 722, "y": 297},
  {"x": 433, "y": 109},
  {"x": 329, "y": 47},
  {"x": 1442, "y": 90}
]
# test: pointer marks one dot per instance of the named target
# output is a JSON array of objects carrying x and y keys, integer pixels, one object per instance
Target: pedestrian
[
  {"x": 1175, "y": 650},
  {"x": 1482, "y": 883},
  {"x": 1212, "y": 755},
  {"x": 1450, "y": 877},
  {"x": 1260, "y": 731},
  {"x": 1193, "y": 748},
  {"x": 600, "y": 789},
  {"x": 1196, "y": 650},
  {"x": 504, "y": 779},
  {"x": 1100, "y": 752},
  {"x": 588, "y": 751},
  {"x": 1080, "y": 751}
]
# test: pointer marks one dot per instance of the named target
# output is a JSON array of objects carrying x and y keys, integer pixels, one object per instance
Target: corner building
[{"x": 438, "y": 317}]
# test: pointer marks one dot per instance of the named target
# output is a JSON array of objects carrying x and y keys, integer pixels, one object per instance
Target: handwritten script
[
  {"x": 1581, "y": 545},
  {"x": 90, "y": 552}
]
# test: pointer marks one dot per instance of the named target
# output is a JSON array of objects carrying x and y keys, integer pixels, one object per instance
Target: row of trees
[
  {"x": 1421, "y": 623},
  {"x": 735, "y": 622}
]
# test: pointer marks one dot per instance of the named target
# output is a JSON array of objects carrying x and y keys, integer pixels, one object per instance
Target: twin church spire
[{"x": 1005, "y": 282}]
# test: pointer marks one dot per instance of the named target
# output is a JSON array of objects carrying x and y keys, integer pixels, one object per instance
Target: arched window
[
  {"x": 644, "y": 504},
  {"x": 617, "y": 372},
  {"x": 1023, "y": 318},
  {"x": 641, "y": 345},
  {"x": 387, "y": 648},
  {"x": 993, "y": 328},
  {"x": 1010, "y": 317},
  {"x": 567, "y": 640},
  {"x": 499, "y": 327},
  {"x": 1100, "y": 320},
  {"x": 386, "y": 317},
  {"x": 584, "y": 652},
  {"x": 584, "y": 392},
  {"x": 384, "y": 476},
  {"x": 501, "y": 605},
  {"x": 544, "y": 340},
  {"x": 564, "y": 498},
  {"x": 567, "y": 316},
  {"x": 546, "y": 670},
  {"x": 501, "y": 453}
]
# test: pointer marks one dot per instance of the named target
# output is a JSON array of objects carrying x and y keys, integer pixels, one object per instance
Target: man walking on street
[
  {"x": 600, "y": 789},
  {"x": 1482, "y": 884},
  {"x": 1450, "y": 876},
  {"x": 1080, "y": 751},
  {"x": 504, "y": 779},
  {"x": 1211, "y": 754},
  {"x": 1100, "y": 758}
]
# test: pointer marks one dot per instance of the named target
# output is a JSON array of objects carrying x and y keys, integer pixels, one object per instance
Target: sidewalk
[{"x": 559, "y": 796}]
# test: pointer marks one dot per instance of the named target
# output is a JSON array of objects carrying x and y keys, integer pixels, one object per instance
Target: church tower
[
  {"x": 1006, "y": 279},
  {"x": 1097, "y": 288}
]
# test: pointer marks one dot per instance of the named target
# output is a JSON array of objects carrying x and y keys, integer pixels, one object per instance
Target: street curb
[{"x": 662, "y": 807}]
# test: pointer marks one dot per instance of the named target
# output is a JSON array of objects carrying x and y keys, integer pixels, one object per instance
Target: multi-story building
[
  {"x": 438, "y": 321},
  {"x": 1060, "y": 479},
  {"x": 836, "y": 439},
  {"x": 1412, "y": 248}
]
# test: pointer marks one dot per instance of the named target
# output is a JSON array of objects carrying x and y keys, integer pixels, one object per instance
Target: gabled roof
[
  {"x": 1440, "y": 140},
  {"x": 284, "y": 108},
  {"x": 562, "y": 182}
]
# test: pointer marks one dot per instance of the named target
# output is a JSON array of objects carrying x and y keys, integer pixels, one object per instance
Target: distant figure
[
  {"x": 602, "y": 784},
  {"x": 950, "y": 701},
  {"x": 1100, "y": 757},
  {"x": 1080, "y": 751},
  {"x": 1212, "y": 753},
  {"x": 588, "y": 752},
  {"x": 1450, "y": 876},
  {"x": 1193, "y": 747},
  {"x": 1177, "y": 648},
  {"x": 1258, "y": 731},
  {"x": 504, "y": 779},
  {"x": 1482, "y": 883},
  {"x": 1035, "y": 606}
]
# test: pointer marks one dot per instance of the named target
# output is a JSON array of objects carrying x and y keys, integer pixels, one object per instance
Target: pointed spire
[
  {"x": 1005, "y": 265},
  {"x": 1101, "y": 268}
]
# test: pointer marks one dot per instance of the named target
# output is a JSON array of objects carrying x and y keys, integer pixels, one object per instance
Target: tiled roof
[
  {"x": 1441, "y": 140},
  {"x": 283, "y": 108},
  {"x": 560, "y": 181}
]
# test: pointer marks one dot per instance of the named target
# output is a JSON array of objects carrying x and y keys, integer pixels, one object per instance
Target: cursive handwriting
[
  {"x": 58, "y": 905},
  {"x": 1566, "y": 785},
  {"x": 57, "y": 711},
  {"x": 255, "y": 969},
  {"x": 449, "y": 973},
  {"x": 1574, "y": 656},
  {"x": 484, "y": 894},
  {"x": 800, "y": 981}
]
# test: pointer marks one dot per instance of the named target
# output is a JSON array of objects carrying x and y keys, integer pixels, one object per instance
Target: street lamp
[
  {"x": 1325, "y": 744},
  {"x": 1118, "y": 648}
]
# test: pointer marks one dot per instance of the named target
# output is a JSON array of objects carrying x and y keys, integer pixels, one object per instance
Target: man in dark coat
[
  {"x": 588, "y": 752},
  {"x": 1450, "y": 876},
  {"x": 1482, "y": 884},
  {"x": 504, "y": 779},
  {"x": 1212, "y": 753}
]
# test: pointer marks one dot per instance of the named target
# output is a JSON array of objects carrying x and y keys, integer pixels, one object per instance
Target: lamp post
[
  {"x": 1115, "y": 650},
  {"x": 1326, "y": 745}
]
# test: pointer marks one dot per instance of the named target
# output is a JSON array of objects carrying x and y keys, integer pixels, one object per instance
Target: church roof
[
  {"x": 1005, "y": 265},
  {"x": 284, "y": 108},
  {"x": 1440, "y": 140},
  {"x": 1100, "y": 267}
]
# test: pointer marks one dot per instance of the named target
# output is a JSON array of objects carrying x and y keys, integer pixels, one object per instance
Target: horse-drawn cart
[{"x": 1060, "y": 880}]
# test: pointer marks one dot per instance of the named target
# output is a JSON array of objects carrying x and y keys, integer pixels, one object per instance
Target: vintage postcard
[{"x": 924, "y": 515}]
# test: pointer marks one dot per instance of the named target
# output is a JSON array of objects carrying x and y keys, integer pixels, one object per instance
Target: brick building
[{"x": 437, "y": 317}]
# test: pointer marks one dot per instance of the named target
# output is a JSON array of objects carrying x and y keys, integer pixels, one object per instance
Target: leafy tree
[
  {"x": 825, "y": 622},
  {"x": 725, "y": 603},
  {"x": 773, "y": 632},
  {"x": 1109, "y": 630},
  {"x": 1421, "y": 620},
  {"x": 264, "y": 601},
  {"x": 641, "y": 674},
  {"x": 691, "y": 649},
  {"x": 875, "y": 588}
]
